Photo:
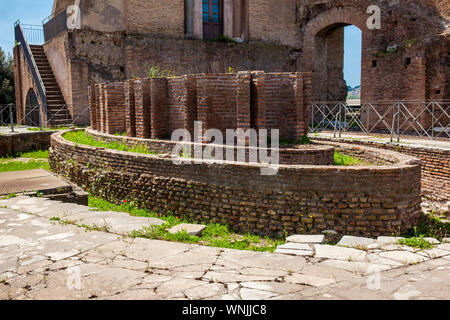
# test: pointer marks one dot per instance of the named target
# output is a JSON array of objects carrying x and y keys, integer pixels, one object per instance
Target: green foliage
[
  {"x": 157, "y": 72},
  {"x": 215, "y": 235},
  {"x": 22, "y": 166},
  {"x": 429, "y": 226},
  {"x": 345, "y": 160},
  {"x": 81, "y": 138},
  {"x": 409, "y": 43},
  {"x": 416, "y": 242},
  {"x": 9, "y": 196},
  {"x": 6, "y": 79},
  {"x": 283, "y": 142},
  {"x": 224, "y": 39},
  {"x": 41, "y": 154}
]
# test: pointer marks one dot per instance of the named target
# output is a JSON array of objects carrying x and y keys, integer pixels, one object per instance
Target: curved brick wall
[
  {"x": 307, "y": 154},
  {"x": 435, "y": 165},
  {"x": 370, "y": 201}
]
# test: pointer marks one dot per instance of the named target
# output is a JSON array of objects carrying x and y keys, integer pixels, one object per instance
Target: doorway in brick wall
[
  {"x": 212, "y": 11},
  {"x": 337, "y": 59},
  {"x": 32, "y": 110}
]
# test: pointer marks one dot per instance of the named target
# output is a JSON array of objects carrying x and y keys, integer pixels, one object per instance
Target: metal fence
[
  {"x": 33, "y": 117},
  {"x": 430, "y": 119},
  {"x": 33, "y": 34}
]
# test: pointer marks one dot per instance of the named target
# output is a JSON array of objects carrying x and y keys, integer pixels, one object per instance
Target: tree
[{"x": 6, "y": 79}]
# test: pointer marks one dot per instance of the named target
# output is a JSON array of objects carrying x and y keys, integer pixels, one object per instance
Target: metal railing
[
  {"x": 33, "y": 34},
  {"x": 32, "y": 66},
  {"x": 32, "y": 117},
  {"x": 430, "y": 119}
]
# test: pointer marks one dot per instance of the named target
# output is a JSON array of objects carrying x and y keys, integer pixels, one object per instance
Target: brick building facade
[{"x": 115, "y": 40}]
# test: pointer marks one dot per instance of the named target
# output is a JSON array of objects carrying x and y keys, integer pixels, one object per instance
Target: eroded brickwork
[
  {"x": 366, "y": 201},
  {"x": 156, "y": 107}
]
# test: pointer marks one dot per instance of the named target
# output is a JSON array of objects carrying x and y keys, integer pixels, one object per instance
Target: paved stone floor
[
  {"x": 44, "y": 259},
  {"x": 29, "y": 181}
]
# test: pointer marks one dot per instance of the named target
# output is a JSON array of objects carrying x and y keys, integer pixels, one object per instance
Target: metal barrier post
[{"x": 11, "y": 117}]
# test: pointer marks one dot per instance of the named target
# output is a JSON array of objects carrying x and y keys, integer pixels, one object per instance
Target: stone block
[
  {"x": 350, "y": 241},
  {"x": 192, "y": 229},
  {"x": 306, "y": 238}
]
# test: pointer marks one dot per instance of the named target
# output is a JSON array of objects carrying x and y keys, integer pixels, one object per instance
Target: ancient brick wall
[
  {"x": 369, "y": 201},
  {"x": 435, "y": 166},
  {"x": 156, "y": 107},
  {"x": 156, "y": 17},
  {"x": 406, "y": 59},
  {"x": 300, "y": 155},
  {"x": 24, "y": 142},
  {"x": 196, "y": 56},
  {"x": 273, "y": 20}
]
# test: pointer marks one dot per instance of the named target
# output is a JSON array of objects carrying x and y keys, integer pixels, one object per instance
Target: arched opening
[
  {"x": 352, "y": 63},
  {"x": 337, "y": 62},
  {"x": 32, "y": 110}
]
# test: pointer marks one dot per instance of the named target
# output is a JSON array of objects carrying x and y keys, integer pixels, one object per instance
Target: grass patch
[
  {"x": 22, "y": 166},
  {"x": 215, "y": 235},
  {"x": 416, "y": 242},
  {"x": 345, "y": 160},
  {"x": 80, "y": 137},
  {"x": 41, "y": 154},
  {"x": 429, "y": 226}
]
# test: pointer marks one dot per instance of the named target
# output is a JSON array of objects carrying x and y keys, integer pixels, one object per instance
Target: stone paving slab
[
  {"x": 115, "y": 222},
  {"x": 350, "y": 241},
  {"x": 192, "y": 229},
  {"x": 30, "y": 181},
  {"x": 41, "y": 259},
  {"x": 306, "y": 238},
  {"x": 340, "y": 253}
]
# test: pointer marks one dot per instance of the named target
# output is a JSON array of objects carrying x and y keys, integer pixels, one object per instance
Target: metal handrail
[{"x": 20, "y": 38}]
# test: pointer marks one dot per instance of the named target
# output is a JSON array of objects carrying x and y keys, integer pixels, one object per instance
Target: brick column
[
  {"x": 101, "y": 110},
  {"x": 142, "y": 108},
  {"x": 258, "y": 100},
  {"x": 243, "y": 100},
  {"x": 190, "y": 112},
  {"x": 130, "y": 121},
  {"x": 115, "y": 107},
  {"x": 307, "y": 99},
  {"x": 93, "y": 106},
  {"x": 203, "y": 101},
  {"x": 299, "y": 107},
  {"x": 158, "y": 111}
]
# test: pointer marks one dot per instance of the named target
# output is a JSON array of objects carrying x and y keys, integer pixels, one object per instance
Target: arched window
[{"x": 212, "y": 13}]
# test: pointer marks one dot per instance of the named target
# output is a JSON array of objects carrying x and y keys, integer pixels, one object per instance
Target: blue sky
[
  {"x": 34, "y": 11},
  {"x": 28, "y": 11},
  {"x": 352, "y": 56}
]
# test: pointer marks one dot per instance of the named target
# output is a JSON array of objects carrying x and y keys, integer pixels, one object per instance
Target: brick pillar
[
  {"x": 101, "y": 116},
  {"x": 190, "y": 112},
  {"x": 258, "y": 100},
  {"x": 142, "y": 108},
  {"x": 299, "y": 107},
  {"x": 93, "y": 106},
  {"x": 203, "y": 101},
  {"x": 307, "y": 99},
  {"x": 130, "y": 114},
  {"x": 115, "y": 107},
  {"x": 158, "y": 114},
  {"x": 243, "y": 100}
]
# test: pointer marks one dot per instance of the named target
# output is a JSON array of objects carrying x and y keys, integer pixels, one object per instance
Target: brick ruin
[
  {"x": 115, "y": 40},
  {"x": 363, "y": 201},
  {"x": 154, "y": 108}
]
